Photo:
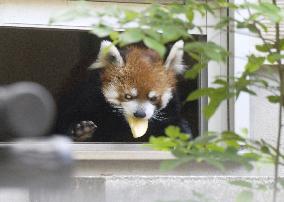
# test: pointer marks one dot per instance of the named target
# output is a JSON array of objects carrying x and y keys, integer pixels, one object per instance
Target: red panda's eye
[
  {"x": 153, "y": 99},
  {"x": 128, "y": 97}
]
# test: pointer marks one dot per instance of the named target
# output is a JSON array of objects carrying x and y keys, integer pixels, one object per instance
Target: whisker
[{"x": 160, "y": 116}]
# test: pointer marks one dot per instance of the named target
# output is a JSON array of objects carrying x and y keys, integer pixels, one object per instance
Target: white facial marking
[
  {"x": 134, "y": 92},
  {"x": 132, "y": 106},
  {"x": 166, "y": 97},
  {"x": 111, "y": 94},
  {"x": 152, "y": 94},
  {"x": 175, "y": 58},
  {"x": 149, "y": 109},
  {"x": 107, "y": 49}
]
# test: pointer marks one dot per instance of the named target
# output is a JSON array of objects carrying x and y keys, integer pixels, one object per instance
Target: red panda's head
[{"x": 140, "y": 83}]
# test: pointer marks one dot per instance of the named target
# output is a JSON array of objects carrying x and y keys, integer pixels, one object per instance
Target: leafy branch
[{"x": 158, "y": 25}]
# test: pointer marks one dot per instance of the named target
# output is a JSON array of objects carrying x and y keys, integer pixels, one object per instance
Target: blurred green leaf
[
  {"x": 264, "y": 47},
  {"x": 130, "y": 15},
  {"x": 71, "y": 14},
  {"x": 152, "y": 34},
  {"x": 199, "y": 93},
  {"x": 189, "y": 14},
  {"x": 273, "y": 98},
  {"x": 131, "y": 36},
  {"x": 274, "y": 57},
  {"x": 155, "y": 45},
  {"x": 114, "y": 36},
  {"x": 210, "y": 50},
  {"x": 215, "y": 163},
  {"x": 170, "y": 33},
  {"x": 281, "y": 182},
  {"x": 242, "y": 183},
  {"x": 254, "y": 63},
  {"x": 223, "y": 23},
  {"x": 101, "y": 31},
  {"x": 172, "y": 131},
  {"x": 281, "y": 44},
  {"x": 244, "y": 196},
  {"x": 265, "y": 149},
  {"x": 194, "y": 71},
  {"x": 272, "y": 12},
  {"x": 204, "y": 139},
  {"x": 162, "y": 143}
]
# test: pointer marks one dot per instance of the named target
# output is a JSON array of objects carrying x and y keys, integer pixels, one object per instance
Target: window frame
[
  {"x": 81, "y": 151},
  {"x": 139, "y": 1}
]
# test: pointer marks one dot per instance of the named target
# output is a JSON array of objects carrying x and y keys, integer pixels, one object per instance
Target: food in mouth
[{"x": 138, "y": 126}]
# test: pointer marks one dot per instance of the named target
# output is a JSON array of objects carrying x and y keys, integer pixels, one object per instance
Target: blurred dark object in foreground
[
  {"x": 26, "y": 110},
  {"x": 26, "y": 114}
]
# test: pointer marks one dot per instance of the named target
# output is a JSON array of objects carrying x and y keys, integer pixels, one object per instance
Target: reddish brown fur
[{"x": 143, "y": 70}]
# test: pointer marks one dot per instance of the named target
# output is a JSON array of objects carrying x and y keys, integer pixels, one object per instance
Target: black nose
[{"x": 140, "y": 114}]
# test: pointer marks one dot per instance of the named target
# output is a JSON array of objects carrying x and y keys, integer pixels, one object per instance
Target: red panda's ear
[
  {"x": 108, "y": 55},
  {"x": 175, "y": 58}
]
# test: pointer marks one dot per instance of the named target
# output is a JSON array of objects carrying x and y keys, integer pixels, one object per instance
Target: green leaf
[
  {"x": 254, "y": 63},
  {"x": 161, "y": 143},
  {"x": 130, "y": 15},
  {"x": 152, "y": 33},
  {"x": 216, "y": 98},
  {"x": 273, "y": 98},
  {"x": 194, "y": 71},
  {"x": 211, "y": 108},
  {"x": 101, "y": 31},
  {"x": 209, "y": 50},
  {"x": 262, "y": 187},
  {"x": 247, "y": 25},
  {"x": 215, "y": 163},
  {"x": 114, "y": 36},
  {"x": 264, "y": 47},
  {"x": 189, "y": 14},
  {"x": 155, "y": 45},
  {"x": 204, "y": 139},
  {"x": 265, "y": 149},
  {"x": 281, "y": 43},
  {"x": 172, "y": 131},
  {"x": 131, "y": 36},
  {"x": 253, "y": 28},
  {"x": 222, "y": 23},
  {"x": 199, "y": 93},
  {"x": 266, "y": 9},
  {"x": 274, "y": 57},
  {"x": 241, "y": 183},
  {"x": 281, "y": 182},
  {"x": 244, "y": 196},
  {"x": 271, "y": 11},
  {"x": 172, "y": 164},
  {"x": 170, "y": 33},
  {"x": 71, "y": 14}
]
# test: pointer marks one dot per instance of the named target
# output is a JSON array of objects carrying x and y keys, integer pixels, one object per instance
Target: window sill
[{"x": 117, "y": 152}]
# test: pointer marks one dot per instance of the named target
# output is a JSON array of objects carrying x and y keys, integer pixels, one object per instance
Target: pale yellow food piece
[{"x": 138, "y": 126}]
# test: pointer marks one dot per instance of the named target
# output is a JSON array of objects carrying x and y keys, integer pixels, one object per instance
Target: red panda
[{"x": 137, "y": 84}]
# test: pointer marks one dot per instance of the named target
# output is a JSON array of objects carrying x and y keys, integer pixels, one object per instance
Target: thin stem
[{"x": 279, "y": 67}]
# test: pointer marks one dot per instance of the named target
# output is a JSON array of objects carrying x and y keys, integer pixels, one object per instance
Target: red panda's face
[{"x": 142, "y": 83}]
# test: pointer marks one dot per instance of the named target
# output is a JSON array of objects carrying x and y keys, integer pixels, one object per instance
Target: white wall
[{"x": 264, "y": 115}]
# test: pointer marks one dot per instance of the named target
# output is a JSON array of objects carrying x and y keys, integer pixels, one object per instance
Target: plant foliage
[{"x": 158, "y": 25}]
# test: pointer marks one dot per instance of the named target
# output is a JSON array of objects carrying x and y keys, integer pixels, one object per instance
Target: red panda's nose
[{"x": 140, "y": 114}]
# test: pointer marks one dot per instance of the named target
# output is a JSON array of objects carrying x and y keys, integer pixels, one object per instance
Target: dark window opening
[{"x": 58, "y": 60}]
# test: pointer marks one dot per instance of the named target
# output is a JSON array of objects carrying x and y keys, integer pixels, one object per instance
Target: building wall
[{"x": 263, "y": 114}]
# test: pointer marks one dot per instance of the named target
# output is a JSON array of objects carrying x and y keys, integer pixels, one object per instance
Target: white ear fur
[
  {"x": 175, "y": 58},
  {"x": 104, "y": 56}
]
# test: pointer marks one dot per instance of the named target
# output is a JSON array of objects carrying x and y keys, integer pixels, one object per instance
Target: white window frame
[{"x": 36, "y": 14}]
